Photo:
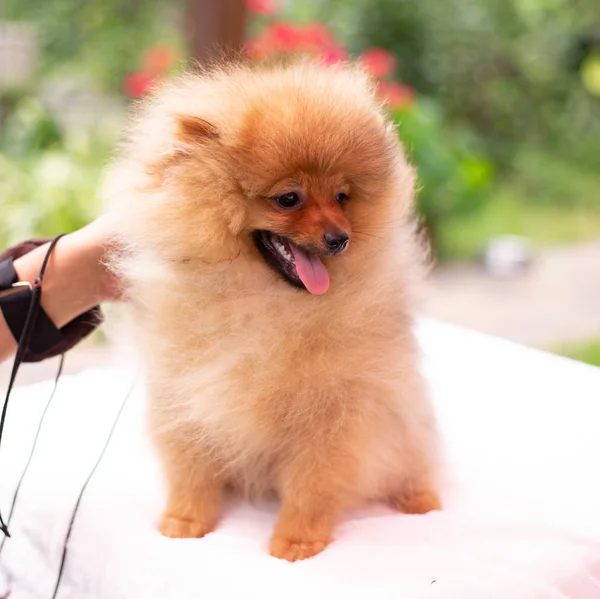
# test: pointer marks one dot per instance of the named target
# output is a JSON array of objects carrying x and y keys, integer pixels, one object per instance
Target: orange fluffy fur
[{"x": 255, "y": 385}]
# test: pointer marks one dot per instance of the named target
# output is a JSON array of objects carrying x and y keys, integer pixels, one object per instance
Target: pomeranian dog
[{"x": 268, "y": 253}]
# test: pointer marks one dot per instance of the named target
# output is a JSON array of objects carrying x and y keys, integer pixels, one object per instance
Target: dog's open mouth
[{"x": 298, "y": 266}]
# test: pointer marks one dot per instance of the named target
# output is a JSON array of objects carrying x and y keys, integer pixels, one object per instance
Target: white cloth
[{"x": 522, "y": 500}]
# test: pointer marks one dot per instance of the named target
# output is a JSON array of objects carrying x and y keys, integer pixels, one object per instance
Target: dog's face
[
  {"x": 307, "y": 166},
  {"x": 300, "y": 221},
  {"x": 316, "y": 167}
]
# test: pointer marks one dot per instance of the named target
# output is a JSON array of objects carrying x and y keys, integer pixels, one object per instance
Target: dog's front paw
[
  {"x": 295, "y": 549},
  {"x": 418, "y": 502},
  {"x": 183, "y": 528}
]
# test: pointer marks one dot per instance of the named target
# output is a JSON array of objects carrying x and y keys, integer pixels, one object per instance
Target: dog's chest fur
[{"x": 255, "y": 379}]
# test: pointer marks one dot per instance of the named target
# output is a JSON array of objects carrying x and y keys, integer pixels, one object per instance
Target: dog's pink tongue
[{"x": 311, "y": 271}]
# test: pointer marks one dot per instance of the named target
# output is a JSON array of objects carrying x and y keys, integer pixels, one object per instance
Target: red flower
[
  {"x": 334, "y": 54},
  {"x": 137, "y": 84},
  {"x": 158, "y": 60},
  {"x": 262, "y": 7},
  {"x": 317, "y": 34},
  {"x": 276, "y": 38},
  {"x": 380, "y": 63},
  {"x": 396, "y": 95},
  {"x": 285, "y": 36},
  {"x": 313, "y": 38}
]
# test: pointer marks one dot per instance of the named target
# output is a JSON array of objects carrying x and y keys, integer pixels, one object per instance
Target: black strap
[
  {"x": 24, "y": 341},
  {"x": 46, "y": 341},
  {"x": 46, "y": 335},
  {"x": 8, "y": 274},
  {"x": 14, "y": 307}
]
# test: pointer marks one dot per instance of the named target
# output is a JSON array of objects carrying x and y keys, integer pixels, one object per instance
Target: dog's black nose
[{"x": 336, "y": 241}]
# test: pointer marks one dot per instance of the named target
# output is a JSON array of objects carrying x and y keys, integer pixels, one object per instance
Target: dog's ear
[{"x": 194, "y": 130}]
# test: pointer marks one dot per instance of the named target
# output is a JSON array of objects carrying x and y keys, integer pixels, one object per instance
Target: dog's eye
[
  {"x": 341, "y": 197},
  {"x": 288, "y": 200}
]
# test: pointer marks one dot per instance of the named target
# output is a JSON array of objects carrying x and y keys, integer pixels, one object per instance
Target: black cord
[
  {"x": 34, "y": 305},
  {"x": 35, "y": 440},
  {"x": 83, "y": 488}
]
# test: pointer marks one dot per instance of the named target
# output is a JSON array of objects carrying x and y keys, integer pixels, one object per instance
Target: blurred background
[{"x": 497, "y": 102}]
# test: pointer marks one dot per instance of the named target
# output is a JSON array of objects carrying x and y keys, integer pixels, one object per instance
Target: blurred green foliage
[
  {"x": 510, "y": 69},
  {"x": 463, "y": 236},
  {"x": 103, "y": 40},
  {"x": 50, "y": 174},
  {"x": 453, "y": 176},
  {"x": 588, "y": 352},
  {"x": 49, "y": 178}
]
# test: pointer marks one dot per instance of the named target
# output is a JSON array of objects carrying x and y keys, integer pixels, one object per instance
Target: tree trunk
[{"x": 215, "y": 28}]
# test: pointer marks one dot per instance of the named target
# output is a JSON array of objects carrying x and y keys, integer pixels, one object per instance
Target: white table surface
[{"x": 522, "y": 497}]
